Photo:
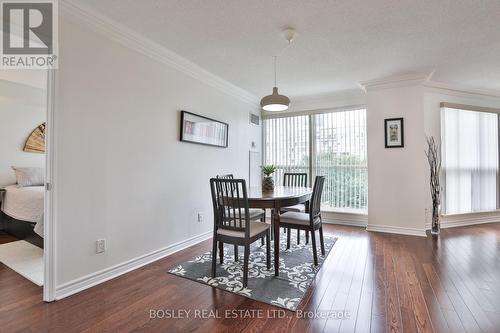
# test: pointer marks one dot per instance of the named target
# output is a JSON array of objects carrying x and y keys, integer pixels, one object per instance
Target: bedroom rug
[
  {"x": 297, "y": 271},
  {"x": 25, "y": 259}
]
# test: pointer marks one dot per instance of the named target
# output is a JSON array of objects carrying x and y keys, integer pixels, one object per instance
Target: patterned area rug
[{"x": 297, "y": 271}]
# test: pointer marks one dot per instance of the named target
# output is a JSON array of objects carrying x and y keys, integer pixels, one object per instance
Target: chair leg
[
  {"x": 288, "y": 239},
  {"x": 315, "y": 251},
  {"x": 298, "y": 236},
  {"x": 245, "y": 265},
  {"x": 307, "y": 237},
  {"x": 214, "y": 256},
  {"x": 263, "y": 220},
  {"x": 321, "y": 240},
  {"x": 236, "y": 252},
  {"x": 221, "y": 252},
  {"x": 272, "y": 229},
  {"x": 272, "y": 225},
  {"x": 268, "y": 250}
]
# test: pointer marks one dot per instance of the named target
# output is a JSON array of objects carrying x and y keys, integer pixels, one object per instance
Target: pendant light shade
[{"x": 275, "y": 102}]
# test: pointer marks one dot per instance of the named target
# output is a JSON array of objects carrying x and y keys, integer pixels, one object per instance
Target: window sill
[
  {"x": 473, "y": 214},
  {"x": 345, "y": 211},
  {"x": 468, "y": 219}
]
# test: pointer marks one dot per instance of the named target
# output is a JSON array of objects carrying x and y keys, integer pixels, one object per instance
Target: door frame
[{"x": 49, "y": 276}]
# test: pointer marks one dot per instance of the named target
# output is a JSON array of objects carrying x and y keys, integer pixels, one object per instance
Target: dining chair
[
  {"x": 255, "y": 214},
  {"x": 232, "y": 222},
  {"x": 310, "y": 221},
  {"x": 296, "y": 179}
]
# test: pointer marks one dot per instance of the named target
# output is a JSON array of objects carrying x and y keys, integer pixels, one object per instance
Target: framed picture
[
  {"x": 394, "y": 133},
  {"x": 203, "y": 130}
]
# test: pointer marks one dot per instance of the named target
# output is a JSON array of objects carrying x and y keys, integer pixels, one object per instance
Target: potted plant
[
  {"x": 267, "y": 181},
  {"x": 434, "y": 158}
]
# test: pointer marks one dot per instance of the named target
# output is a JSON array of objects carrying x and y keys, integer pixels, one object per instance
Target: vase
[
  {"x": 436, "y": 223},
  {"x": 267, "y": 184}
]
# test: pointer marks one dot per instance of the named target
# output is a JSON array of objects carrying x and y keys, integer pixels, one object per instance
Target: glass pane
[
  {"x": 470, "y": 160},
  {"x": 287, "y": 145},
  {"x": 340, "y": 155}
]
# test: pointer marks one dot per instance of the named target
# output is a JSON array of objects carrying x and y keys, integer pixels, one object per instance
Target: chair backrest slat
[
  {"x": 295, "y": 179},
  {"x": 315, "y": 202},
  {"x": 230, "y": 204}
]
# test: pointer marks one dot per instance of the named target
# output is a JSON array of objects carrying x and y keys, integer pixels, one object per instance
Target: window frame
[
  {"x": 312, "y": 141},
  {"x": 474, "y": 108}
]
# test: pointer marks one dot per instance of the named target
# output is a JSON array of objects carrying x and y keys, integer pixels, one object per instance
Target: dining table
[{"x": 280, "y": 197}]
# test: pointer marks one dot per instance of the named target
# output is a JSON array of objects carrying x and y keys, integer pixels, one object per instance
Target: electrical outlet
[
  {"x": 100, "y": 246},
  {"x": 200, "y": 217}
]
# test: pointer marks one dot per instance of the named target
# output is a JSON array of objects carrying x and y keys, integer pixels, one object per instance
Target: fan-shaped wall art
[{"x": 36, "y": 141}]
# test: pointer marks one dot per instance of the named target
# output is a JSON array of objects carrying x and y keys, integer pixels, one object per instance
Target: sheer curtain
[{"x": 470, "y": 160}]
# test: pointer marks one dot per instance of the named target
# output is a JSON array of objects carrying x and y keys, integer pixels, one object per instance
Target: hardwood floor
[
  {"x": 385, "y": 283},
  {"x": 6, "y": 238}
]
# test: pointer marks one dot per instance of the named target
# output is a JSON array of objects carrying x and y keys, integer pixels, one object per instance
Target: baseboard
[
  {"x": 99, "y": 277},
  {"x": 464, "y": 220},
  {"x": 397, "y": 230},
  {"x": 351, "y": 219}
]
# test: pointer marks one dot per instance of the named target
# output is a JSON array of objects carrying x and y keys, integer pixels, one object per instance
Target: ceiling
[{"x": 339, "y": 43}]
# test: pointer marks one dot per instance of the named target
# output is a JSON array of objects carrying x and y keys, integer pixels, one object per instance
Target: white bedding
[{"x": 25, "y": 204}]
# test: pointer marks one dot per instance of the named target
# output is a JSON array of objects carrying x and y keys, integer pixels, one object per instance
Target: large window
[
  {"x": 470, "y": 160},
  {"x": 332, "y": 144}
]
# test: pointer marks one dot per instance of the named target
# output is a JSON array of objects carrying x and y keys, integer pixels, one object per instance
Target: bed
[{"x": 23, "y": 209}]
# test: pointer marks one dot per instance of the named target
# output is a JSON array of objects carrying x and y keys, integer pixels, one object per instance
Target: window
[
  {"x": 332, "y": 144},
  {"x": 470, "y": 160},
  {"x": 287, "y": 145}
]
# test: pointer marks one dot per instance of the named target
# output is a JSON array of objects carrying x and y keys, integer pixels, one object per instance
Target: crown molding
[
  {"x": 459, "y": 90},
  {"x": 332, "y": 100},
  {"x": 138, "y": 42},
  {"x": 395, "y": 81}
]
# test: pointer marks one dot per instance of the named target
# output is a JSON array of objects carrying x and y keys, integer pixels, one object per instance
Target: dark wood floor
[
  {"x": 387, "y": 283},
  {"x": 6, "y": 238}
]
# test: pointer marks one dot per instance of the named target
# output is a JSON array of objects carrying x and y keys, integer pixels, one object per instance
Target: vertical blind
[
  {"x": 470, "y": 160},
  {"x": 287, "y": 145},
  {"x": 337, "y": 150},
  {"x": 340, "y": 155}
]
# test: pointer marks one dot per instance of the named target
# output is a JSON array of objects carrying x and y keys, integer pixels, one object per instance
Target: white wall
[
  {"x": 22, "y": 109},
  {"x": 121, "y": 172},
  {"x": 396, "y": 176},
  {"x": 398, "y": 193}
]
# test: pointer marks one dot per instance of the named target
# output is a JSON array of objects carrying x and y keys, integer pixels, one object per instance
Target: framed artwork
[
  {"x": 394, "y": 133},
  {"x": 203, "y": 130}
]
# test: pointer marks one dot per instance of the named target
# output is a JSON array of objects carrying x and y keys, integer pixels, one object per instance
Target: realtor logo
[{"x": 29, "y": 34}]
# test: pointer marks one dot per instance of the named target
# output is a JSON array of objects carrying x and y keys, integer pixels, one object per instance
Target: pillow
[{"x": 29, "y": 176}]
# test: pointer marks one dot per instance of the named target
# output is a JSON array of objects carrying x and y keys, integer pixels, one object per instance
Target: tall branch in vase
[{"x": 434, "y": 158}]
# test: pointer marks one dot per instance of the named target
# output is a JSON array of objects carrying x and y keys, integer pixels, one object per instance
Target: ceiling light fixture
[{"x": 275, "y": 101}]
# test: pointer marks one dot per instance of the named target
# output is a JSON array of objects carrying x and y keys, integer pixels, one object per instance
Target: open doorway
[{"x": 23, "y": 129}]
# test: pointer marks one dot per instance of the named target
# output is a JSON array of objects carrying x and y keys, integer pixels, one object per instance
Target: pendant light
[{"x": 275, "y": 101}]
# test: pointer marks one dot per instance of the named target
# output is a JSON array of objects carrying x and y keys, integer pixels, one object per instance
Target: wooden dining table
[{"x": 282, "y": 196}]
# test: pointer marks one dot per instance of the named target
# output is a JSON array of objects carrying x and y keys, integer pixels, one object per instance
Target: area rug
[
  {"x": 297, "y": 271},
  {"x": 25, "y": 259}
]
